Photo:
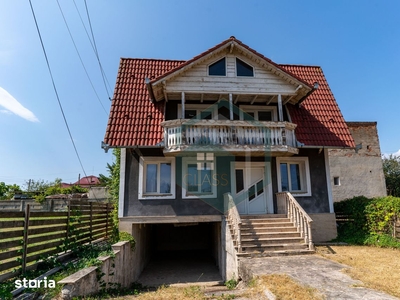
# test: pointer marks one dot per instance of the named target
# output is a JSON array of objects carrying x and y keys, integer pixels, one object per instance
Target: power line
[
  {"x": 94, "y": 47},
  {"x": 80, "y": 58},
  {"x": 97, "y": 53},
  {"x": 55, "y": 89}
]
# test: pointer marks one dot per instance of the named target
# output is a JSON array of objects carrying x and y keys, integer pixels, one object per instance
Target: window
[
  {"x": 259, "y": 113},
  {"x": 218, "y": 68},
  {"x": 243, "y": 69},
  {"x": 336, "y": 181},
  {"x": 294, "y": 175},
  {"x": 156, "y": 177},
  {"x": 198, "y": 176},
  {"x": 197, "y": 111}
]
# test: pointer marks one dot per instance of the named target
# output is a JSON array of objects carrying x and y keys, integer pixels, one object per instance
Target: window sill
[{"x": 156, "y": 196}]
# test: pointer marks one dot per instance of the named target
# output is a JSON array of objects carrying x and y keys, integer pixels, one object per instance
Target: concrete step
[
  {"x": 262, "y": 230},
  {"x": 275, "y": 253},
  {"x": 267, "y": 224},
  {"x": 267, "y": 235},
  {"x": 260, "y": 242},
  {"x": 266, "y": 220},
  {"x": 269, "y": 216},
  {"x": 273, "y": 247}
]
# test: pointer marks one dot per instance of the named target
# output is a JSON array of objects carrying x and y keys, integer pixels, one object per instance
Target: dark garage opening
[{"x": 183, "y": 253}]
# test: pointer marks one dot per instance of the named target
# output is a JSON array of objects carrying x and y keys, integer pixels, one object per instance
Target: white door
[{"x": 250, "y": 190}]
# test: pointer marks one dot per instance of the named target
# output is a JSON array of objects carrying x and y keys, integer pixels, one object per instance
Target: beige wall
[
  {"x": 361, "y": 173},
  {"x": 141, "y": 254},
  {"x": 323, "y": 227}
]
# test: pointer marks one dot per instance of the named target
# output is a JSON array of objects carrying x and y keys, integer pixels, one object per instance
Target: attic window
[
  {"x": 243, "y": 69},
  {"x": 218, "y": 68}
]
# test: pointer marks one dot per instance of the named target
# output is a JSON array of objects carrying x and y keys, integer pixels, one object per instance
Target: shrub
[{"x": 370, "y": 221}]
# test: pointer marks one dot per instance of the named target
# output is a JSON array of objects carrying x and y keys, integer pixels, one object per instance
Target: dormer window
[
  {"x": 243, "y": 69},
  {"x": 218, "y": 68}
]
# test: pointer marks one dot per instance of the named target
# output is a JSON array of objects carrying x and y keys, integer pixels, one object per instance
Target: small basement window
[
  {"x": 336, "y": 180},
  {"x": 243, "y": 69},
  {"x": 218, "y": 68}
]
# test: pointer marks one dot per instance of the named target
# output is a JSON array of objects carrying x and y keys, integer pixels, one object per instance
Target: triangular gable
[{"x": 228, "y": 46}]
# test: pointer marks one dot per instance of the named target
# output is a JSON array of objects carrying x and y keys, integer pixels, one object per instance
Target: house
[
  {"x": 84, "y": 182},
  {"x": 348, "y": 166},
  {"x": 226, "y": 153}
]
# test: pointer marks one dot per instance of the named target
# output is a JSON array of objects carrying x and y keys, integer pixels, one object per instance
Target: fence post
[
  {"x": 68, "y": 220},
  {"x": 25, "y": 241},
  {"x": 107, "y": 220},
  {"x": 91, "y": 221}
]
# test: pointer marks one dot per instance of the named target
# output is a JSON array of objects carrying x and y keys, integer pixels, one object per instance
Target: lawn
[{"x": 377, "y": 268}]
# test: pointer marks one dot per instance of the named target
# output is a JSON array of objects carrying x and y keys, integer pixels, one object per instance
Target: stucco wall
[
  {"x": 359, "y": 173},
  {"x": 318, "y": 202}
]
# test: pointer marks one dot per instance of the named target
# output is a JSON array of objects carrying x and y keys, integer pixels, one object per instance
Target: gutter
[{"x": 106, "y": 147}]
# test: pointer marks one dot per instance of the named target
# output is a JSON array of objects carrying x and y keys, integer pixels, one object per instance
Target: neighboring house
[
  {"x": 360, "y": 172},
  {"x": 227, "y": 124},
  {"x": 84, "y": 182}
]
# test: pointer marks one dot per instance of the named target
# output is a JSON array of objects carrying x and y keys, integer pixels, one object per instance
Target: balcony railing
[{"x": 182, "y": 132}]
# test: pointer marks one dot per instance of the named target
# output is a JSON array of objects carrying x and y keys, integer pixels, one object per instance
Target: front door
[{"x": 252, "y": 188}]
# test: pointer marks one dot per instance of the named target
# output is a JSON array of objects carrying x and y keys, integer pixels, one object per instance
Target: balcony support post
[
  {"x": 183, "y": 104},
  {"x": 230, "y": 107},
  {"x": 280, "y": 112}
]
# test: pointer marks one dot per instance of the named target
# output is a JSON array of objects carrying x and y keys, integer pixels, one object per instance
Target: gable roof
[
  {"x": 232, "y": 42},
  {"x": 135, "y": 121}
]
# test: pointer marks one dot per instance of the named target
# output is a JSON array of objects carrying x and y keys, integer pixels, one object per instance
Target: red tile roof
[
  {"x": 135, "y": 121},
  {"x": 319, "y": 119}
]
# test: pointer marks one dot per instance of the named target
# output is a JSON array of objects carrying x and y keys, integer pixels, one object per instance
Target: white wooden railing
[
  {"x": 225, "y": 132},
  {"x": 233, "y": 219},
  {"x": 297, "y": 215}
]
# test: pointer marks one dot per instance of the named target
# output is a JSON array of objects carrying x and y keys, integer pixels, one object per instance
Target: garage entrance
[{"x": 183, "y": 253}]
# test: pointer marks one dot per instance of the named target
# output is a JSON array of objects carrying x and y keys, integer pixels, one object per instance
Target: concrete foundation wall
[
  {"x": 114, "y": 271},
  {"x": 359, "y": 173},
  {"x": 229, "y": 263},
  {"x": 323, "y": 228}
]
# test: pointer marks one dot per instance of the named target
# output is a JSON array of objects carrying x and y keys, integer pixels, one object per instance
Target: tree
[
  {"x": 7, "y": 191},
  {"x": 391, "y": 169}
]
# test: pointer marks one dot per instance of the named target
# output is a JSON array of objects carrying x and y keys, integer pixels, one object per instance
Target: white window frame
[
  {"x": 199, "y": 108},
  {"x": 256, "y": 108},
  {"x": 145, "y": 160},
  {"x": 236, "y": 70},
  {"x": 305, "y": 177},
  {"x": 194, "y": 160},
  {"x": 226, "y": 67}
]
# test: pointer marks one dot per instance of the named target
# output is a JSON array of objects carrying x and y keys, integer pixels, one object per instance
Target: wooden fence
[
  {"x": 342, "y": 218},
  {"x": 28, "y": 236},
  {"x": 396, "y": 229}
]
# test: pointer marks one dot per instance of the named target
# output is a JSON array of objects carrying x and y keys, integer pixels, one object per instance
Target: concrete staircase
[{"x": 270, "y": 235}]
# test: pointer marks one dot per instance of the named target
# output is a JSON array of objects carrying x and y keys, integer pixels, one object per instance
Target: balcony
[{"x": 275, "y": 138}]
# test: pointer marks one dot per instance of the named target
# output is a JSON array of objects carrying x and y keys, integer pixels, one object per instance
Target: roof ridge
[
  {"x": 154, "y": 59},
  {"x": 300, "y": 65}
]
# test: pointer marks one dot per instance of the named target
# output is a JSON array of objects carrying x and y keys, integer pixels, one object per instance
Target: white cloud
[
  {"x": 386, "y": 155},
  {"x": 12, "y": 105}
]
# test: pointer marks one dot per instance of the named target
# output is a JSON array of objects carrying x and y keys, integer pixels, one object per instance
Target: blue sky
[{"x": 357, "y": 44}]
